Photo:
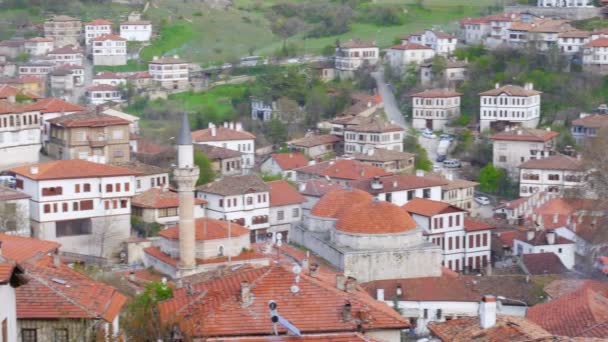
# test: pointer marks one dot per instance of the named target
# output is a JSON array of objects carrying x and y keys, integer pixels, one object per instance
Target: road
[{"x": 390, "y": 104}]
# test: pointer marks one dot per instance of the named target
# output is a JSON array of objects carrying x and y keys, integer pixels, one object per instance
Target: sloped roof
[
  {"x": 526, "y": 134},
  {"x": 156, "y": 198},
  {"x": 20, "y": 248},
  {"x": 88, "y": 120},
  {"x": 543, "y": 263},
  {"x": 142, "y": 168},
  {"x": 511, "y": 90},
  {"x": 217, "y": 152},
  {"x": 66, "y": 50},
  {"x": 437, "y": 93},
  {"x": 555, "y": 162},
  {"x": 314, "y": 140},
  {"x": 221, "y": 134},
  {"x": 102, "y": 87},
  {"x": 376, "y": 125},
  {"x": 73, "y": 168},
  {"x": 375, "y": 217},
  {"x": 471, "y": 225},
  {"x": 8, "y": 194},
  {"x": 290, "y": 160},
  {"x": 316, "y": 308},
  {"x": 324, "y": 337},
  {"x": 108, "y": 75},
  {"x": 108, "y": 37},
  {"x": 507, "y": 328},
  {"x": 397, "y": 183},
  {"x": 540, "y": 238},
  {"x": 592, "y": 121},
  {"x": 336, "y": 201},
  {"x": 99, "y": 22},
  {"x": 168, "y": 60},
  {"x": 282, "y": 193},
  {"x": 7, "y": 91},
  {"x": 53, "y": 105},
  {"x": 427, "y": 207},
  {"x": 383, "y": 155},
  {"x": 410, "y": 46},
  {"x": 357, "y": 44},
  {"x": 235, "y": 185},
  {"x": 600, "y": 42},
  {"x": 343, "y": 169},
  {"x": 208, "y": 229},
  {"x": 318, "y": 187}
]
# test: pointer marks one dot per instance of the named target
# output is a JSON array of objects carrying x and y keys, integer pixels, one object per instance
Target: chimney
[
  {"x": 239, "y": 126},
  {"x": 487, "y": 312},
  {"x": 341, "y": 282},
  {"x": 132, "y": 276},
  {"x": 246, "y": 298},
  {"x": 351, "y": 285},
  {"x": 225, "y": 124},
  {"x": 551, "y": 237},
  {"x": 555, "y": 218},
  {"x": 313, "y": 270},
  {"x": 155, "y": 58},
  {"x": 399, "y": 291},
  {"x": 56, "y": 260},
  {"x": 302, "y": 187},
  {"x": 213, "y": 131},
  {"x": 548, "y": 129},
  {"x": 497, "y": 85},
  {"x": 530, "y": 235},
  {"x": 449, "y": 176},
  {"x": 176, "y": 56},
  {"x": 34, "y": 170},
  {"x": 419, "y": 173},
  {"x": 376, "y": 184},
  {"x": 519, "y": 132},
  {"x": 380, "y": 294},
  {"x": 347, "y": 314},
  {"x": 0, "y": 247}
]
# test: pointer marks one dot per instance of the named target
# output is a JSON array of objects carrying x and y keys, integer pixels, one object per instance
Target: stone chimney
[
  {"x": 530, "y": 235},
  {"x": 56, "y": 260},
  {"x": 302, "y": 187},
  {"x": 313, "y": 270},
  {"x": 550, "y": 237},
  {"x": 376, "y": 183},
  {"x": 340, "y": 282},
  {"x": 380, "y": 294},
  {"x": 34, "y": 170},
  {"x": 555, "y": 218},
  {"x": 487, "y": 312},
  {"x": 351, "y": 285},
  {"x": 246, "y": 297},
  {"x": 497, "y": 85},
  {"x": 347, "y": 314}
]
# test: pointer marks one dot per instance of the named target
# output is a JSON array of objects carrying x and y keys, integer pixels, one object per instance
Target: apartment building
[
  {"x": 509, "y": 105},
  {"x": 553, "y": 174},
  {"x": 96, "y": 28},
  {"x": 230, "y": 136},
  {"x": 401, "y": 56},
  {"x": 353, "y": 54},
  {"x": 136, "y": 30},
  {"x": 442, "y": 43},
  {"x": 375, "y": 134},
  {"x": 109, "y": 49},
  {"x": 84, "y": 206},
  {"x": 435, "y": 108},
  {"x": 64, "y": 29},
  {"x": 36, "y": 68},
  {"x": 19, "y": 134},
  {"x": 89, "y": 136},
  {"x": 39, "y": 46},
  {"x": 169, "y": 72},
  {"x": 109, "y": 78},
  {"x": 67, "y": 55},
  {"x": 244, "y": 200},
  {"x": 572, "y": 42},
  {"x": 595, "y": 56},
  {"x": 50, "y": 108}
]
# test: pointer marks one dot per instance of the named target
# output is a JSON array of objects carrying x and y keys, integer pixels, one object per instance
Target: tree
[
  {"x": 207, "y": 174},
  {"x": 490, "y": 178},
  {"x": 411, "y": 144},
  {"x": 317, "y": 105},
  {"x": 141, "y": 321},
  {"x": 277, "y": 132}
]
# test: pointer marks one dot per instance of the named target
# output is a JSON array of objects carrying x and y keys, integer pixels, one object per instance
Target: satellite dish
[
  {"x": 294, "y": 289},
  {"x": 296, "y": 269},
  {"x": 279, "y": 236}
]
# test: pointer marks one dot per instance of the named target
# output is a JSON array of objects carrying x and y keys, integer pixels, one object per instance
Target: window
[
  {"x": 458, "y": 219},
  {"x": 411, "y": 194},
  {"x": 108, "y": 187},
  {"x": 86, "y": 205},
  {"x": 502, "y": 159},
  {"x": 64, "y": 207},
  {"x": 280, "y": 215},
  {"x": 75, "y": 206},
  {"x": 60, "y": 335},
  {"x": 295, "y": 212},
  {"x": 138, "y": 184},
  {"x": 77, "y": 188},
  {"x": 52, "y": 191},
  {"x": 485, "y": 240},
  {"x": 221, "y": 203},
  {"x": 5, "y": 329},
  {"x": 87, "y": 187},
  {"x": 127, "y": 187},
  {"x": 117, "y": 187},
  {"x": 426, "y": 193},
  {"x": 471, "y": 245},
  {"x": 249, "y": 200},
  {"x": 29, "y": 335},
  {"x": 19, "y": 184},
  {"x": 47, "y": 208},
  {"x": 450, "y": 221},
  {"x": 123, "y": 203},
  {"x": 477, "y": 240},
  {"x": 167, "y": 212}
]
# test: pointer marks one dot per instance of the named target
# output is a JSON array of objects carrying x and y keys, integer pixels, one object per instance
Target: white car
[
  {"x": 427, "y": 133},
  {"x": 482, "y": 200}
]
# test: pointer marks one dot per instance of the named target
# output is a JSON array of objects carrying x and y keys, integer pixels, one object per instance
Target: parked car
[
  {"x": 482, "y": 200},
  {"x": 436, "y": 167},
  {"x": 448, "y": 137},
  {"x": 440, "y": 158},
  {"x": 451, "y": 163},
  {"x": 427, "y": 133}
]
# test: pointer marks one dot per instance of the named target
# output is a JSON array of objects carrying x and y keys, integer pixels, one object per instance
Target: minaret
[{"x": 186, "y": 175}]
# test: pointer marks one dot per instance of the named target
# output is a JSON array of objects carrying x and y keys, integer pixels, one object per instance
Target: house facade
[
  {"x": 224, "y": 161},
  {"x": 572, "y": 42},
  {"x": 161, "y": 205},
  {"x": 67, "y": 55},
  {"x": 50, "y": 108},
  {"x": 442, "y": 43},
  {"x": 553, "y": 174},
  {"x": 545, "y": 241},
  {"x": 230, "y": 136},
  {"x": 354, "y": 54},
  {"x": 315, "y": 146},
  {"x": 39, "y": 46},
  {"x": 102, "y": 93},
  {"x": 96, "y": 28},
  {"x": 84, "y": 206},
  {"x": 35, "y": 68},
  {"x": 285, "y": 209},
  {"x": 139, "y": 30},
  {"x": 400, "y": 189},
  {"x": 109, "y": 49},
  {"x": 509, "y": 105},
  {"x": 169, "y": 72},
  {"x": 63, "y": 29},
  {"x": 372, "y": 135},
  {"x": 389, "y": 160},
  {"x": 587, "y": 126},
  {"x": 19, "y": 134},
  {"x": 401, "y": 56},
  {"x": 435, "y": 108}
]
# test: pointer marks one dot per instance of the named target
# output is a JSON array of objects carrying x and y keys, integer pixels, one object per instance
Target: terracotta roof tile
[
  {"x": 575, "y": 34},
  {"x": 507, "y": 328},
  {"x": 451, "y": 184},
  {"x": 88, "y": 120},
  {"x": 235, "y": 185},
  {"x": 40, "y": 40},
  {"x": 437, "y": 93},
  {"x": 208, "y": 229},
  {"x": 7, "y": 91},
  {"x": 314, "y": 140},
  {"x": 53, "y": 105},
  {"x": 526, "y": 134},
  {"x": 592, "y": 121},
  {"x": 108, "y": 75},
  {"x": 7, "y": 271},
  {"x": 357, "y": 44},
  {"x": 555, "y": 162},
  {"x": 334, "y": 202},
  {"x": 471, "y": 225},
  {"x": 540, "y": 238},
  {"x": 375, "y": 217},
  {"x": 66, "y": 50},
  {"x": 289, "y": 161},
  {"x": 97, "y": 22},
  {"x": 219, "y": 302},
  {"x": 427, "y": 207},
  {"x": 8, "y": 194},
  {"x": 343, "y": 169},
  {"x": 317, "y": 187},
  {"x": 511, "y": 90},
  {"x": 148, "y": 147},
  {"x": 156, "y": 253},
  {"x": 600, "y": 42},
  {"x": 282, "y": 193},
  {"x": 156, "y": 198},
  {"x": 376, "y": 125},
  {"x": 74, "y": 168},
  {"x": 102, "y": 87},
  {"x": 142, "y": 168},
  {"x": 221, "y": 134},
  {"x": 397, "y": 183},
  {"x": 328, "y": 337},
  {"x": 410, "y": 46},
  {"x": 216, "y": 152},
  {"x": 168, "y": 60},
  {"x": 561, "y": 287},
  {"x": 108, "y": 37},
  {"x": 20, "y": 249},
  {"x": 543, "y": 263},
  {"x": 383, "y": 155}
]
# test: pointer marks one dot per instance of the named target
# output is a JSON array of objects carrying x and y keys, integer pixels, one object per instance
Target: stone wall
[{"x": 566, "y": 13}]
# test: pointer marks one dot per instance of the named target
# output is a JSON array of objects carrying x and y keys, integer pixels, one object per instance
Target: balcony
[{"x": 99, "y": 142}]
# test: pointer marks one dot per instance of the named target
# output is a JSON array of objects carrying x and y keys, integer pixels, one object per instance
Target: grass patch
[
  {"x": 591, "y": 24},
  {"x": 171, "y": 38},
  {"x": 132, "y": 65},
  {"x": 215, "y": 105}
]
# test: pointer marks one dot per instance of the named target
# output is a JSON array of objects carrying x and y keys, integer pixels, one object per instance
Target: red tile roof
[
  {"x": 437, "y": 93},
  {"x": 66, "y": 50},
  {"x": 107, "y": 75},
  {"x": 145, "y": 146},
  {"x": 88, "y": 120},
  {"x": 282, "y": 193},
  {"x": 507, "y": 328},
  {"x": 555, "y": 162},
  {"x": 102, "y": 87},
  {"x": 592, "y": 121},
  {"x": 410, "y": 46},
  {"x": 334, "y": 202},
  {"x": 540, "y": 238},
  {"x": 582, "y": 313},
  {"x": 357, "y": 44},
  {"x": 53, "y": 105},
  {"x": 156, "y": 253},
  {"x": 58, "y": 292},
  {"x": 561, "y": 287},
  {"x": 289, "y": 161},
  {"x": 343, "y": 169},
  {"x": 507, "y": 237},
  {"x": 8, "y": 194},
  {"x": 526, "y": 134},
  {"x": 156, "y": 198},
  {"x": 316, "y": 308},
  {"x": 7, "y": 271},
  {"x": 208, "y": 229},
  {"x": 600, "y": 42},
  {"x": 108, "y": 37},
  {"x": 73, "y": 168},
  {"x": 40, "y": 40},
  {"x": 21, "y": 248},
  {"x": 427, "y": 207},
  {"x": 99, "y": 22},
  {"x": 221, "y": 134},
  {"x": 7, "y": 107},
  {"x": 375, "y": 125},
  {"x": 314, "y": 140},
  {"x": 375, "y": 217},
  {"x": 511, "y": 90},
  {"x": 398, "y": 183},
  {"x": 471, "y": 225},
  {"x": 328, "y": 337},
  {"x": 7, "y": 91},
  {"x": 317, "y": 187},
  {"x": 543, "y": 263}
]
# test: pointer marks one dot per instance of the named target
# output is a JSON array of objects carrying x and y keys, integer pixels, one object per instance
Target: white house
[
  {"x": 442, "y": 43},
  {"x": 515, "y": 146},
  {"x": 553, "y": 174},
  {"x": 39, "y": 46},
  {"x": 572, "y": 42},
  {"x": 565, "y": 3},
  {"x": 109, "y": 78},
  {"x": 315, "y": 146},
  {"x": 244, "y": 200},
  {"x": 96, "y": 28},
  {"x": 285, "y": 208},
  {"x": 161, "y": 205},
  {"x": 230, "y": 136},
  {"x": 261, "y": 110},
  {"x": 508, "y": 105},
  {"x": 51, "y": 108},
  {"x": 375, "y": 134},
  {"x": 434, "y": 108},
  {"x": 353, "y": 54},
  {"x": 595, "y": 55},
  {"x": 148, "y": 176},
  {"x": 400, "y": 189},
  {"x": 84, "y": 206},
  {"x": 401, "y": 56},
  {"x": 102, "y": 93},
  {"x": 11, "y": 277},
  {"x": 15, "y": 209},
  {"x": 465, "y": 243},
  {"x": 545, "y": 241},
  {"x": 36, "y": 68},
  {"x": 136, "y": 30},
  {"x": 109, "y": 49},
  {"x": 67, "y": 55},
  {"x": 19, "y": 134},
  {"x": 283, "y": 164},
  {"x": 170, "y": 72}
]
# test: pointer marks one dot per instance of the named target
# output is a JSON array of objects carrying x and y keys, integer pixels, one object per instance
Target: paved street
[{"x": 390, "y": 104}]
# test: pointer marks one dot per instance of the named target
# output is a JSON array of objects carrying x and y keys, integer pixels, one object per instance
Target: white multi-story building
[
  {"x": 545, "y": 241},
  {"x": 509, "y": 105},
  {"x": 400, "y": 189},
  {"x": 595, "y": 56},
  {"x": 84, "y": 206},
  {"x": 230, "y": 136},
  {"x": 353, "y": 54},
  {"x": 553, "y": 174},
  {"x": 40, "y": 69},
  {"x": 442, "y": 43},
  {"x": 103, "y": 93},
  {"x": 137, "y": 30},
  {"x": 19, "y": 135},
  {"x": 67, "y": 55},
  {"x": 465, "y": 243},
  {"x": 39, "y": 46},
  {"x": 565, "y": 3},
  {"x": 515, "y": 146},
  {"x": 170, "y": 72},
  {"x": 543, "y": 33},
  {"x": 375, "y": 134},
  {"x": 435, "y": 108},
  {"x": 109, "y": 78},
  {"x": 285, "y": 208},
  {"x": 490, "y": 30},
  {"x": 244, "y": 200},
  {"x": 96, "y": 28},
  {"x": 109, "y": 49},
  {"x": 401, "y": 56},
  {"x": 572, "y": 42},
  {"x": 50, "y": 108}
]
